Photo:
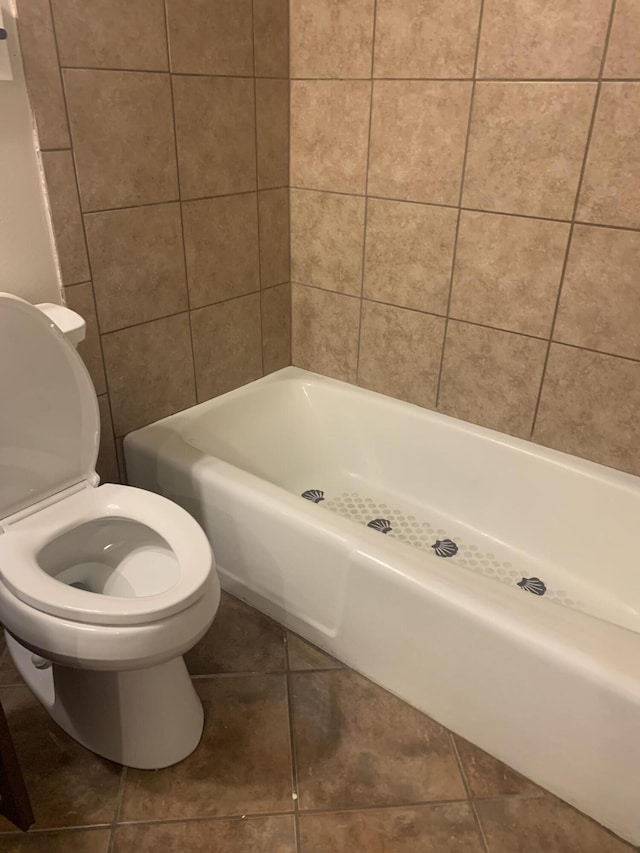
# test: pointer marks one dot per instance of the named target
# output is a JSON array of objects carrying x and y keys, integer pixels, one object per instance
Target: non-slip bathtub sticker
[
  {"x": 381, "y": 524},
  {"x": 534, "y": 585},
  {"x": 315, "y": 495},
  {"x": 445, "y": 548}
]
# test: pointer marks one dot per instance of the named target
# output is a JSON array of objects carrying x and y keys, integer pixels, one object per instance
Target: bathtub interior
[{"x": 540, "y": 522}]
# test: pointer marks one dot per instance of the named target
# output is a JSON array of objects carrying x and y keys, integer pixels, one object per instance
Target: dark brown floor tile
[
  {"x": 68, "y": 785},
  {"x": 543, "y": 824},
  {"x": 303, "y": 655},
  {"x": 444, "y": 828},
  {"x": 240, "y": 640},
  {"x": 488, "y": 777},
  {"x": 359, "y": 746},
  {"x": 82, "y": 841},
  {"x": 241, "y": 766},
  {"x": 253, "y": 835},
  {"x": 8, "y": 673}
]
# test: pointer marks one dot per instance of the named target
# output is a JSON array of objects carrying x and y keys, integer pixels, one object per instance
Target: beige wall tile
[
  {"x": 221, "y": 244},
  {"x": 123, "y": 140},
  {"x": 327, "y": 234},
  {"x": 589, "y": 407},
  {"x": 623, "y": 55},
  {"x": 137, "y": 260},
  {"x": 507, "y": 271},
  {"x": 329, "y": 134},
  {"x": 273, "y": 209},
  {"x": 418, "y": 39},
  {"x": 535, "y": 38},
  {"x": 39, "y": 53},
  {"x": 107, "y": 463},
  {"x": 227, "y": 347},
  {"x": 600, "y": 302},
  {"x": 609, "y": 193},
  {"x": 491, "y": 377},
  {"x": 418, "y": 132},
  {"x": 66, "y": 218},
  {"x": 79, "y": 298},
  {"x": 215, "y": 127},
  {"x": 276, "y": 327},
  {"x": 324, "y": 332},
  {"x": 526, "y": 147},
  {"x": 409, "y": 251},
  {"x": 210, "y": 36},
  {"x": 138, "y": 358},
  {"x": 331, "y": 38},
  {"x": 272, "y": 115},
  {"x": 111, "y": 34},
  {"x": 271, "y": 37},
  {"x": 400, "y": 353}
]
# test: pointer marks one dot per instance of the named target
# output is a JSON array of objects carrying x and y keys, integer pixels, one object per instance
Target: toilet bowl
[{"x": 103, "y": 588}]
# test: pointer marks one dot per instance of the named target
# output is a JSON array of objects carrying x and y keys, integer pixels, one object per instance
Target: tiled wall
[
  {"x": 465, "y": 210},
  {"x": 164, "y": 138}
]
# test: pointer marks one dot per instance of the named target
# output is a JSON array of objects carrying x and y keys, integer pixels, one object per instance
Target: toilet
[{"x": 103, "y": 588}]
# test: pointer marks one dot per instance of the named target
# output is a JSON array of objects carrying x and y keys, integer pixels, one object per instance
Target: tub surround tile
[
  {"x": 418, "y": 132},
  {"x": 107, "y": 463},
  {"x": 167, "y": 376},
  {"x": 623, "y": 54},
  {"x": 275, "y": 305},
  {"x": 221, "y": 246},
  {"x": 122, "y": 130},
  {"x": 67, "y": 784},
  {"x": 331, "y": 39},
  {"x": 42, "y": 73},
  {"x": 532, "y": 38},
  {"x": 491, "y": 378},
  {"x": 526, "y": 147},
  {"x": 79, "y": 298},
  {"x": 273, "y": 208},
  {"x": 87, "y": 39},
  {"x": 227, "y": 345},
  {"x": 272, "y": 113},
  {"x": 259, "y": 834},
  {"x": 325, "y": 332},
  {"x": 137, "y": 260},
  {"x": 304, "y": 656},
  {"x": 449, "y": 827},
  {"x": 327, "y": 234},
  {"x": 271, "y": 38},
  {"x": 215, "y": 128},
  {"x": 600, "y": 302},
  {"x": 400, "y": 352},
  {"x": 241, "y": 766},
  {"x": 241, "y": 639},
  {"x": 66, "y": 219},
  {"x": 409, "y": 252},
  {"x": 589, "y": 407},
  {"x": 417, "y": 39},
  {"x": 83, "y": 841},
  {"x": 609, "y": 193},
  {"x": 329, "y": 134},
  {"x": 210, "y": 38},
  {"x": 507, "y": 271},
  {"x": 488, "y": 777}
]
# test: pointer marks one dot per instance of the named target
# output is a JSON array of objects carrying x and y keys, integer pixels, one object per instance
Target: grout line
[
  {"x": 118, "y": 809},
  {"x": 177, "y": 200},
  {"x": 292, "y": 745},
  {"x": 465, "y": 782},
  {"x": 236, "y": 816},
  {"x": 257, "y": 161}
]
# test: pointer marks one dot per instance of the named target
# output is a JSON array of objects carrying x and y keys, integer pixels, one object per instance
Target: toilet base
[{"x": 145, "y": 718}]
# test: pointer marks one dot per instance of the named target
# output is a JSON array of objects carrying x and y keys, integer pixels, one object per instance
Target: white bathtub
[{"x": 548, "y": 683}]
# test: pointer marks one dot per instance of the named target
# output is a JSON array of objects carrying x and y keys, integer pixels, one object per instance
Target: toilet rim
[{"x": 26, "y": 580}]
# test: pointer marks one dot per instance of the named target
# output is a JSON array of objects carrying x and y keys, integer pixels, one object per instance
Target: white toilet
[{"x": 102, "y": 588}]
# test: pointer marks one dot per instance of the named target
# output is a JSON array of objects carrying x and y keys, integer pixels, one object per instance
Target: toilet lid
[{"x": 49, "y": 418}]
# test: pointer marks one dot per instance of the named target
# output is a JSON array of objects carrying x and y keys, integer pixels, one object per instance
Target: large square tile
[
  {"x": 357, "y": 745},
  {"x": 526, "y": 147},
  {"x": 79, "y": 298},
  {"x": 137, "y": 260},
  {"x": 332, "y": 38},
  {"x": 304, "y": 656},
  {"x": 273, "y": 217},
  {"x": 418, "y": 131},
  {"x": 210, "y": 36},
  {"x": 275, "y": 305},
  {"x": 272, "y": 116},
  {"x": 107, "y": 462},
  {"x": 271, "y": 37},
  {"x": 215, "y": 128},
  {"x": 623, "y": 55},
  {"x": 242, "y": 764},
  {"x": 80, "y": 841},
  {"x": 409, "y": 252},
  {"x": 66, "y": 219},
  {"x": 329, "y": 134},
  {"x": 488, "y": 777}
]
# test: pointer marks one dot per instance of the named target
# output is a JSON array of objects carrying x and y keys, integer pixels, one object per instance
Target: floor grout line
[{"x": 470, "y": 799}]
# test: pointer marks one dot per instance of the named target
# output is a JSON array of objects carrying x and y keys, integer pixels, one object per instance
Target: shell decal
[
  {"x": 315, "y": 495},
  {"x": 381, "y": 524},
  {"x": 445, "y": 547},
  {"x": 534, "y": 585}
]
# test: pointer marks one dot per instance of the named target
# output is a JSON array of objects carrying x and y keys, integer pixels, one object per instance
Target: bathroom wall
[
  {"x": 465, "y": 210},
  {"x": 164, "y": 139}
]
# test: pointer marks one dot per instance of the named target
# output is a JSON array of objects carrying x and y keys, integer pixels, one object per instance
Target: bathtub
[{"x": 490, "y": 582}]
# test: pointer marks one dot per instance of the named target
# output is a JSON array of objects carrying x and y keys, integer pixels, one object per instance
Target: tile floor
[{"x": 371, "y": 773}]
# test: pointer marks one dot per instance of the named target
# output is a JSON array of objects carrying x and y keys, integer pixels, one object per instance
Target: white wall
[{"x": 27, "y": 257}]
